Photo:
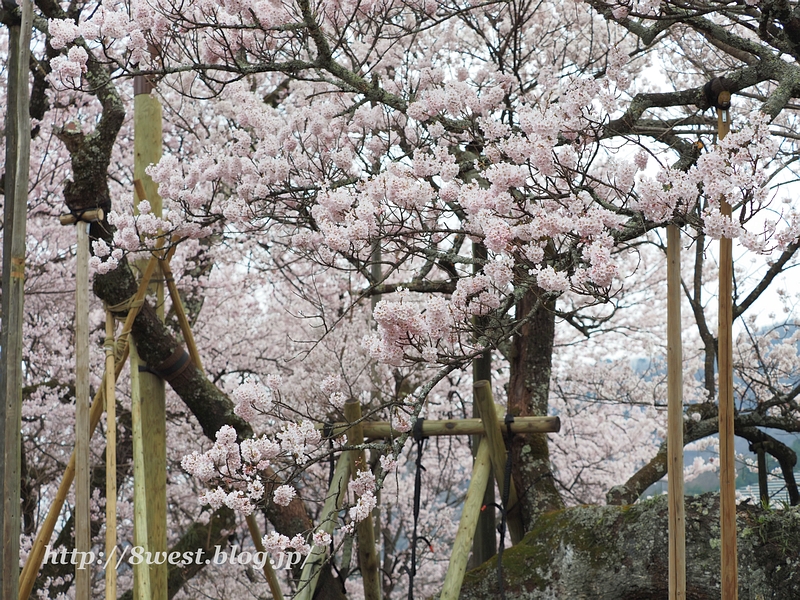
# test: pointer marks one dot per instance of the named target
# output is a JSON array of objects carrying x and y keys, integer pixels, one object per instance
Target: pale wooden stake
[
  {"x": 677, "y": 523},
  {"x": 318, "y": 555},
  {"x": 269, "y": 571},
  {"x": 183, "y": 321},
  {"x": 727, "y": 474},
  {"x": 497, "y": 447},
  {"x": 147, "y": 148},
  {"x": 111, "y": 463},
  {"x": 433, "y": 427},
  {"x": 141, "y": 571},
  {"x": 83, "y": 522},
  {"x": 31, "y": 569},
  {"x": 367, "y": 555},
  {"x": 481, "y": 470}
]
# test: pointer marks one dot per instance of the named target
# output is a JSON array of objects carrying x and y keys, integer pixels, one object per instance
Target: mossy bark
[{"x": 620, "y": 553}]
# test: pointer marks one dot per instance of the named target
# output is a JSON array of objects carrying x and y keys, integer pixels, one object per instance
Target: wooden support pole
[
  {"x": 141, "y": 571},
  {"x": 269, "y": 571},
  {"x": 83, "y": 517},
  {"x": 497, "y": 448},
  {"x": 729, "y": 566},
  {"x": 333, "y": 502},
  {"x": 36, "y": 555},
  {"x": 183, "y": 321},
  {"x": 677, "y": 522},
  {"x": 431, "y": 428},
  {"x": 367, "y": 554},
  {"x": 481, "y": 470},
  {"x": 147, "y": 143},
  {"x": 111, "y": 462},
  {"x": 17, "y": 166}
]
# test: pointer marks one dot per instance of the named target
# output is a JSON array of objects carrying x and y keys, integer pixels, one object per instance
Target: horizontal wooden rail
[{"x": 384, "y": 429}]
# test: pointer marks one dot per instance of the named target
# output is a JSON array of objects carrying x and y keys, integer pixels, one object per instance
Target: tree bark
[
  {"x": 528, "y": 395},
  {"x": 620, "y": 553}
]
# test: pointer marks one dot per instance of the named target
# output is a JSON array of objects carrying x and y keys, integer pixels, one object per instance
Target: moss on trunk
[{"x": 620, "y": 553}]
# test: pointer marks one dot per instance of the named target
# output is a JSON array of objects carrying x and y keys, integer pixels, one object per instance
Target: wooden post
[
  {"x": 34, "y": 562},
  {"x": 677, "y": 523},
  {"x": 367, "y": 555},
  {"x": 111, "y": 462},
  {"x": 437, "y": 427},
  {"x": 481, "y": 470},
  {"x": 142, "y": 590},
  {"x": 729, "y": 567},
  {"x": 17, "y": 166},
  {"x": 83, "y": 518},
  {"x": 333, "y": 502},
  {"x": 269, "y": 571},
  {"x": 147, "y": 141},
  {"x": 497, "y": 448},
  {"x": 763, "y": 490}
]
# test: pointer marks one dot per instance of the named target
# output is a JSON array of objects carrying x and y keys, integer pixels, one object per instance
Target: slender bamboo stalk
[
  {"x": 481, "y": 470},
  {"x": 141, "y": 571},
  {"x": 729, "y": 566},
  {"x": 384, "y": 429},
  {"x": 497, "y": 447},
  {"x": 183, "y": 321},
  {"x": 83, "y": 523},
  {"x": 367, "y": 555},
  {"x": 111, "y": 462},
  {"x": 269, "y": 572},
  {"x": 677, "y": 523},
  {"x": 333, "y": 502}
]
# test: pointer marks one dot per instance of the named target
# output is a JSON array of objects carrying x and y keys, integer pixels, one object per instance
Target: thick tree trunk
[
  {"x": 620, "y": 553},
  {"x": 528, "y": 393}
]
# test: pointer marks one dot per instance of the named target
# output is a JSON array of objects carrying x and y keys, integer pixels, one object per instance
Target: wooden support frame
[
  {"x": 677, "y": 518},
  {"x": 333, "y": 502},
  {"x": 729, "y": 560},
  {"x": 269, "y": 571},
  {"x": 111, "y": 462},
  {"x": 433, "y": 427},
  {"x": 83, "y": 518},
  {"x": 367, "y": 555},
  {"x": 481, "y": 470},
  {"x": 140, "y": 504},
  {"x": 497, "y": 447},
  {"x": 36, "y": 555}
]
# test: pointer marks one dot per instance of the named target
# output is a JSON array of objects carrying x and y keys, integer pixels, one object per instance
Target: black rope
[
  {"x": 505, "y": 493},
  {"x": 417, "y": 431}
]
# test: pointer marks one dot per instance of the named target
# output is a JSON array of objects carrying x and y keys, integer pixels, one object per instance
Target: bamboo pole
[
  {"x": 183, "y": 321},
  {"x": 481, "y": 470},
  {"x": 17, "y": 166},
  {"x": 111, "y": 463},
  {"x": 147, "y": 143},
  {"x": 141, "y": 571},
  {"x": 333, "y": 502},
  {"x": 269, "y": 571},
  {"x": 729, "y": 567},
  {"x": 677, "y": 523},
  {"x": 367, "y": 555},
  {"x": 430, "y": 428},
  {"x": 83, "y": 518},
  {"x": 497, "y": 447},
  {"x": 36, "y": 555}
]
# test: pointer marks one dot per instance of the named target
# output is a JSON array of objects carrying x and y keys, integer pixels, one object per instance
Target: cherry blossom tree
[{"x": 364, "y": 197}]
